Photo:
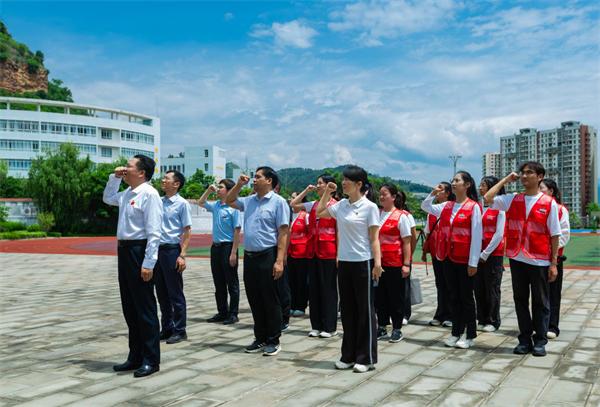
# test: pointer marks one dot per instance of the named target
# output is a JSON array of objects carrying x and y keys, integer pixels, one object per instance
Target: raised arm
[
  {"x": 111, "y": 193},
  {"x": 296, "y": 203},
  {"x": 322, "y": 211},
  {"x": 211, "y": 189},
  {"x": 232, "y": 195},
  {"x": 428, "y": 206},
  {"x": 493, "y": 191}
]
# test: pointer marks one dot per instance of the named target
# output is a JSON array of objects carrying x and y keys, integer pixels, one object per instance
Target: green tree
[
  {"x": 46, "y": 221},
  {"x": 59, "y": 182},
  {"x": 574, "y": 220},
  {"x": 11, "y": 187},
  {"x": 199, "y": 177}
]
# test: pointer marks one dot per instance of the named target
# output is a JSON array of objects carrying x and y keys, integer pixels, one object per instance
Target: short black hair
[
  {"x": 535, "y": 166},
  {"x": 358, "y": 174},
  {"x": 145, "y": 164},
  {"x": 269, "y": 173},
  {"x": 227, "y": 183},
  {"x": 490, "y": 181},
  {"x": 178, "y": 177}
]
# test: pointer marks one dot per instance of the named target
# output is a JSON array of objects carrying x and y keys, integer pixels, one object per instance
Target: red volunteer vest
[
  {"x": 301, "y": 246},
  {"x": 489, "y": 222},
  {"x": 454, "y": 239},
  {"x": 530, "y": 235},
  {"x": 324, "y": 233},
  {"x": 433, "y": 230},
  {"x": 391, "y": 241}
]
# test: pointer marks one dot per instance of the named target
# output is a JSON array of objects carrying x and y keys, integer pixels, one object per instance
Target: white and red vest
[
  {"x": 324, "y": 233},
  {"x": 391, "y": 241},
  {"x": 301, "y": 246},
  {"x": 561, "y": 212},
  {"x": 454, "y": 238},
  {"x": 489, "y": 221},
  {"x": 530, "y": 235}
]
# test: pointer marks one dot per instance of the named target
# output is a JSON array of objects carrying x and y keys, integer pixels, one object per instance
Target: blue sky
[{"x": 395, "y": 86}]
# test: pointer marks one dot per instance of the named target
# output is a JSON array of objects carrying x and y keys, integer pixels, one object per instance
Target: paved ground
[{"x": 62, "y": 330}]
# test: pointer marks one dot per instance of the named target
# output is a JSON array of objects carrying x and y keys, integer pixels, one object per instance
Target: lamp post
[{"x": 454, "y": 159}]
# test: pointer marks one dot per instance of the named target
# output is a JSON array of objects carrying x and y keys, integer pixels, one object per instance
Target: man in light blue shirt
[
  {"x": 138, "y": 232},
  {"x": 266, "y": 221},
  {"x": 174, "y": 241},
  {"x": 224, "y": 252}
]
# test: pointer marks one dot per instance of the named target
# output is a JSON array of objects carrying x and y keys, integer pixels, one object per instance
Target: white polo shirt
[{"x": 353, "y": 222}]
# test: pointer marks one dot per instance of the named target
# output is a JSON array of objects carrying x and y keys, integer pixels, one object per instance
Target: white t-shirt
[
  {"x": 476, "y": 229},
  {"x": 353, "y": 223},
  {"x": 403, "y": 223},
  {"x": 503, "y": 202},
  {"x": 565, "y": 229},
  {"x": 498, "y": 235}
]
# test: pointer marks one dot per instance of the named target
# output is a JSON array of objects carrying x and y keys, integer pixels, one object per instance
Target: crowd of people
[{"x": 342, "y": 253}]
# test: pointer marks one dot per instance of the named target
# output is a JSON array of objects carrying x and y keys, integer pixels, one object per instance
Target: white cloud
[
  {"x": 294, "y": 34},
  {"x": 377, "y": 20},
  {"x": 341, "y": 155},
  {"x": 228, "y": 16}
]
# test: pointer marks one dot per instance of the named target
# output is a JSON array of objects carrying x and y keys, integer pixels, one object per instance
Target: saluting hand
[
  {"x": 331, "y": 186},
  {"x": 244, "y": 179},
  {"x": 439, "y": 188},
  {"x": 512, "y": 177},
  {"x": 311, "y": 188},
  {"x": 147, "y": 274},
  {"x": 120, "y": 172},
  {"x": 212, "y": 188}
]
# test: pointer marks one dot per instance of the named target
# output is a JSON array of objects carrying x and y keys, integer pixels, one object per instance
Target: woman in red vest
[
  {"x": 443, "y": 315},
  {"x": 300, "y": 255},
  {"x": 322, "y": 273},
  {"x": 549, "y": 187},
  {"x": 458, "y": 245},
  {"x": 395, "y": 240},
  {"x": 489, "y": 272}
]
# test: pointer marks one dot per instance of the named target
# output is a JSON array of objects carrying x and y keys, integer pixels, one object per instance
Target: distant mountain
[{"x": 296, "y": 179}]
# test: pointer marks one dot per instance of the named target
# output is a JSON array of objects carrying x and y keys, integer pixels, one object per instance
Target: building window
[
  {"x": 205, "y": 167},
  {"x": 130, "y": 152},
  {"x": 19, "y": 165},
  {"x": 19, "y": 145},
  {"x": 136, "y": 137},
  {"x": 106, "y": 134},
  {"x": 106, "y": 152},
  {"x": 22, "y": 126},
  {"x": 206, "y": 153}
]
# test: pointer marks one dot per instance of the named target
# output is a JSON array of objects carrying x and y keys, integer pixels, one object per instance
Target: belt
[
  {"x": 166, "y": 246},
  {"x": 219, "y": 244},
  {"x": 131, "y": 243},
  {"x": 259, "y": 253}
]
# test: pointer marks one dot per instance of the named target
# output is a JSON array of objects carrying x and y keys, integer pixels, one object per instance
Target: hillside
[
  {"x": 23, "y": 74},
  {"x": 296, "y": 179}
]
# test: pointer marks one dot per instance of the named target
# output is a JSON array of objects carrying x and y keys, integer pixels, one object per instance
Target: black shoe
[
  {"x": 176, "y": 338},
  {"x": 166, "y": 334},
  {"x": 522, "y": 349},
  {"x": 396, "y": 336},
  {"x": 128, "y": 365},
  {"x": 217, "y": 318},
  {"x": 539, "y": 350},
  {"x": 255, "y": 347},
  {"x": 231, "y": 320},
  {"x": 271, "y": 350},
  {"x": 381, "y": 333},
  {"x": 146, "y": 370},
  {"x": 285, "y": 326}
]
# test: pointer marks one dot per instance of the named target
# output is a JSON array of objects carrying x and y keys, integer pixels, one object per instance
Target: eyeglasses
[{"x": 527, "y": 172}]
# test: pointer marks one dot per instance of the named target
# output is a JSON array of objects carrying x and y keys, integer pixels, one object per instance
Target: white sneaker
[
  {"x": 551, "y": 335},
  {"x": 358, "y": 368},
  {"x": 435, "y": 322},
  {"x": 343, "y": 365},
  {"x": 324, "y": 334},
  {"x": 404, "y": 321},
  {"x": 464, "y": 343},
  {"x": 480, "y": 327},
  {"x": 489, "y": 328},
  {"x": 451, "y": 341},
  {"x": 447, "y": 324},
  {"x": 314, "y": 333}
]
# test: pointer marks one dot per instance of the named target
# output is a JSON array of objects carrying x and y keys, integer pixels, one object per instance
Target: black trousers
[
  {"x": 390, "y": 297},
  {"x": 487, "y": 291},
  {"x": 139, "y": 306},
  {"x": 442, "y": 312},
  {"x": 263, "y": 297},
  {"x": 462, "y": 302},
  {"x": 555, "y": 298},
  {"x": 323, "y": 295},
  {"x": 527, "y": 278},
  {"x": 169, "y": 290},
  {"x": 298, "y": 279},
  {"x": 285, "y": 295},
  {"x": 407, "y": 303},
  {"x": 225, "y": 279},
  {"x": 359, "y": 343}
]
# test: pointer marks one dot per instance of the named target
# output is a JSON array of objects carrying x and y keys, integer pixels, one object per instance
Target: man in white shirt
[
  {"x": 138, "y": 234},
  {"x": 532, "y": 247}
]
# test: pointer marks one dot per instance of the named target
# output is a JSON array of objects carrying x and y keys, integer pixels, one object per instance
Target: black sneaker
[
  {"x": 271, "y": 350},
  {"x": 164, "y": 335},
  {"x": 217, "y": 318},
  {"x": 539, "y": 350},
  {"x": 231, "y": 320},
  {"x": 396, "y": 336},
  {"x": 381, "y": 332},
  {"x": 522, "y": 349},
  {"x": 284, "y": 326},
  {"x": 176, "y": 338},
  {"x": 255, "y": 347}
]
